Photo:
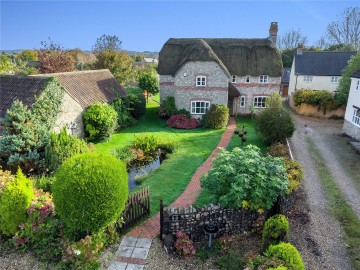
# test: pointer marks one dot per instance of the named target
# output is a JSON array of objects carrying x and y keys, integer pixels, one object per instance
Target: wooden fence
[{"x": 137, "y": 207}]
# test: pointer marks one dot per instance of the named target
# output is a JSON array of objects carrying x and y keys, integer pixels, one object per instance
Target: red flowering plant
[
  {"x": 41, "y": 231},
  {"x": 183, "y": 245},
  {"x": 182, "y": 122}
]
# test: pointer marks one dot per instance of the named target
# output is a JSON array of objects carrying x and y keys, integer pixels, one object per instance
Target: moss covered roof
[{"x": 236, "y": 56}]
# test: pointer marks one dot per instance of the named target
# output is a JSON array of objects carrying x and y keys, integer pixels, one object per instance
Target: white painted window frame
[
  {"x": 242, "y": 101},
  {"x": 202, "y": 107},
  {"x": 334, "y": 79},
  {"x": 356, "y": 117},
  {"x": 307, "y": 79},
  {"x": 256, "y": 102},
  {"x": 200, "y": 81},
  {"x": 233, "y": 78},
  {"x": 263, "y": 79}
]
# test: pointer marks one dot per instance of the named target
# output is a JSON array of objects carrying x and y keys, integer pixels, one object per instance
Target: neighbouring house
[
  {"x": 285, "y": 79},
  {"x": 239, "y": 73},
  {"x": 352, "y": 114},
  {"x": 82, "y": 88},
  {"x": 317, "y": 70}
]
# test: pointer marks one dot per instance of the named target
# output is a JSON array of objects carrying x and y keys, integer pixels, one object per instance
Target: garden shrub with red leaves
[
  {"x": 182, "y": 122},
  {"x": 183, "y": 245}
]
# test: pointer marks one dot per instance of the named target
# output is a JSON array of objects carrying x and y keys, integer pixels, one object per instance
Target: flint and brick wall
[
  {"x": 254, "y": 88},
  {"x": 192, "y": 220}
]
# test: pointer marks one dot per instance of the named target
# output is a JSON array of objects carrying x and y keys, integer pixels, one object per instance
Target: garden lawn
[
  {"x": 171, "y": 178},
  {"x": 252, "y": 138}
]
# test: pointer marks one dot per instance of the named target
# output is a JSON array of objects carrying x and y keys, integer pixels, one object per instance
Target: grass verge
[
  {"x": 171, "y": 178},
  {"x": 339, "y": 207}
]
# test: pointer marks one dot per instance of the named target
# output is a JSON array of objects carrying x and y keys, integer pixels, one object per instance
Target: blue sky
[{"x": 146, "y": 25}]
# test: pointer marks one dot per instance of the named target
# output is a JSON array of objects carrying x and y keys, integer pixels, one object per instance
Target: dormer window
[
  {"x": 233, "y": 79},
  {"x": 247, "y": 79},
  {"x": 200, "y": 80},
  {"x": 263, "y": 79}
]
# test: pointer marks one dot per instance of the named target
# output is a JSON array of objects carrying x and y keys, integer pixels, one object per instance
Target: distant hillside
[{"x": 145, "y": 53}]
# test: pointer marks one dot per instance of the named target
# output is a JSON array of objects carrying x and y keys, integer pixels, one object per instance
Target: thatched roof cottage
[{"x": 239, "y": 73}]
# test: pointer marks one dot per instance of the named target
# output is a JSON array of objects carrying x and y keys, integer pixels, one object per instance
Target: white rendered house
[
  {"x": 317, "y": 70},
  {"x": 352, "y": 114}
]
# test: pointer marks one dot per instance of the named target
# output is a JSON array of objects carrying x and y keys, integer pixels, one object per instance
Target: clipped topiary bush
[
  {"x": 61, "y": 147},
  {"x": 15, "y": 198},
  {"x": 276, "y": 230},
  {"x": 181, "y": 121},
  {"x": 216, "y": 117},
  {"x": 100, "y": 121},
  {"x": 295, "y": 174},
  {"x": 90, "y": 192},
  {"x": 274, "y": 125},
  {"x": 288, "y": 253}
]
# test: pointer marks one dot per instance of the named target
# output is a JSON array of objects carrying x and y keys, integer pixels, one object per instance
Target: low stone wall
[
  {"x": 192, "y": 220},
  {"x": 315, "y": 111}
]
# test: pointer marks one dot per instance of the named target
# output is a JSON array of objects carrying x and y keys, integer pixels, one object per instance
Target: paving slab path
[{"x": 135, "y": 245}]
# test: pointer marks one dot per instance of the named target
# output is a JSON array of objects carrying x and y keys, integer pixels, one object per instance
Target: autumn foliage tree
[{"x": 54, "y": 59}]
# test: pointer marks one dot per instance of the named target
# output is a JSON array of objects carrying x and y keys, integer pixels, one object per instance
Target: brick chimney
[
  {"x": 300, "y": 48},
  {"x": 273, "y": 32}
]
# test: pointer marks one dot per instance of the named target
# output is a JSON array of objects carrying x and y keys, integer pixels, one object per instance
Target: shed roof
[
  {"x": 321, "y": 63},
  {"x": 236, "y": 56},
  {"x": 85, "y": 87},
  {"x": 19, "y": 87},
  {"x": 88, "y": 87}
]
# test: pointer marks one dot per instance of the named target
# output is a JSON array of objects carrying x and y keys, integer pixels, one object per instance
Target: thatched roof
[{"x": 236, "y": 56}]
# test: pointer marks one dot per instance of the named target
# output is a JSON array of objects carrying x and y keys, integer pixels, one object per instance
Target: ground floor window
[
  {"x": 260, "y": 102},
  {"x": 356, "y": 117},
  {"x": 242, "y": 102},
  {"x": 199, "y": 106}
]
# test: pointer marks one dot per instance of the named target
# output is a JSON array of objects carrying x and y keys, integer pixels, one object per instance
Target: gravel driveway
[{"x": 324, "y": 231}]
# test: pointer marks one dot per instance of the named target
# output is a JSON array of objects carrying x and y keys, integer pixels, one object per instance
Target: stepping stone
[
  {"x": 125, "y": 251},
  {"x": 140, "y": 253},
  {"x": 128, "y": 241},
  {"x": 134, "y": 267},
  {"x": 117, "y": 266},
  {"x": 143, "y": 243}
]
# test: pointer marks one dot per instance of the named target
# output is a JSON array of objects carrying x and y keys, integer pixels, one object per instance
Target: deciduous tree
[
  {"x": 345, "y": 81},
  {"x": 346, "y": 29},
  {"x": 54, "y": 59},
  {"x": 107, "y": 43},
  {"x": 291, "y": 39},
  {"x": 149, "y": 82}
]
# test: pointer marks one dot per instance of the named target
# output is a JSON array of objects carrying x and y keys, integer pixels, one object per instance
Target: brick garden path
[{"x": 151, "y": 227}]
